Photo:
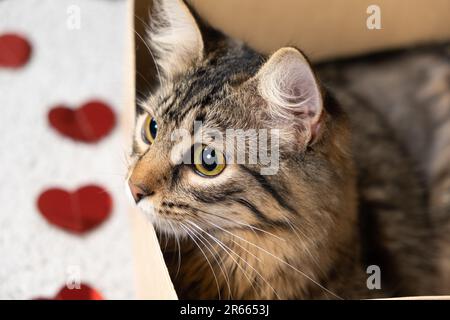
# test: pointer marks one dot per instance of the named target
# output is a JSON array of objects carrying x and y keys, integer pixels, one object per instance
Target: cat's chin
[
  {"x": 166, "y": 225},
  {"x": 159, "y": 222},
  {"x": 162, "y": 225}
]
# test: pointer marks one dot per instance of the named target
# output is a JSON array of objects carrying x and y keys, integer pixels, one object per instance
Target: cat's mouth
[
  {"x": 180, "y": 218},
  {"x": 162, "y": 218}
]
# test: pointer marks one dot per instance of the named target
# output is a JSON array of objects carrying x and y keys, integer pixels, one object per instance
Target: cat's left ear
[
  {"x": 174, "y": 36},
  {"x": 288, "y": 85}
]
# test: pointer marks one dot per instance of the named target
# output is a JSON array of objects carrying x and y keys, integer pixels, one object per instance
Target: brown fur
[{"x": 346, "y": 195}]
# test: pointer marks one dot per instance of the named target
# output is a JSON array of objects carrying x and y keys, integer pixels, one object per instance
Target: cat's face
[{"x": 189, "y": 169}]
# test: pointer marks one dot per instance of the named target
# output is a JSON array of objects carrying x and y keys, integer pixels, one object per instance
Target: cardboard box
[{"x": 324, "y": 29}]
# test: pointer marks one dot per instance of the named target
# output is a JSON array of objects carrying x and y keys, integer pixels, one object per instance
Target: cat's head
[{"x": 191, "y": 170}]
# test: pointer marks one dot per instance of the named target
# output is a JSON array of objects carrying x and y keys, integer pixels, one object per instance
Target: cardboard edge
[{"x": 152, "y": 280}]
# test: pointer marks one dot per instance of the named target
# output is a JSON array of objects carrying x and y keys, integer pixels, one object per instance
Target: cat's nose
[{"x": 138, "y": 192}]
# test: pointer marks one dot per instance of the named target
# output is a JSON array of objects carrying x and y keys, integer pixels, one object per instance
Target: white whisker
[
  {"x": 237, "y": 243},
  {"x": 227, "y": 279},
  {"x": 153, "y": 57},
  {"x": 294, "y": 228},
  {"x": 256, "y": 271},
  {"x": 175, "y": 234},
  {"x": 280, "y": 260},
  {"x": 189, "y": 232},
  {"x": 241, "y": 223}
]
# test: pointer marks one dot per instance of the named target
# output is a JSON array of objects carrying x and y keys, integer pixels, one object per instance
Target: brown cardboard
[
  {"x": 152, "y": 278},
  {"x": 327, "y": 29}
]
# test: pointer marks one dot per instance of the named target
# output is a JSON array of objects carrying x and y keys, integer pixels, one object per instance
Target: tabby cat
[{"x": 347, "y": 196}]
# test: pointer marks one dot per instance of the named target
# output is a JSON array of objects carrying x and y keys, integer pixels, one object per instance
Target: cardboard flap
[{"x": 151, "y": 274}]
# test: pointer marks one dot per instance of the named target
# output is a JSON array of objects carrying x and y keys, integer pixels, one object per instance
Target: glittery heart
[
  {"x": 89, "y": 123},
  {"x": 79, "y": 211},
  {"x": 15, "y": 50},
  {"x": 84, "y": 292}
]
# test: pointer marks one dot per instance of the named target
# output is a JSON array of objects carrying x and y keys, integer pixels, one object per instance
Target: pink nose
[{"x": 137, "y": 192}]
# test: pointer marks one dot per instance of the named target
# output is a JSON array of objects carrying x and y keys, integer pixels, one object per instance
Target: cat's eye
[
  {"x": 149, "y": 130},
  {"x": 208, "y": 161}
]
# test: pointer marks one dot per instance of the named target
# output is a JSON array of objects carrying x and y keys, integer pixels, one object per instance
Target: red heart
[
  {"x": 89, "y": 123},
  {"x": 14, "y": 50},
  {"x": 79, "y": 211},
  {"x": 85, "y": 292}
]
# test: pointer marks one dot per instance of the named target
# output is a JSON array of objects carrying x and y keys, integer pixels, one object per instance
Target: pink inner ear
[
  {"x": 299, "y": 81},
  {"x": 291, "y": 89}
]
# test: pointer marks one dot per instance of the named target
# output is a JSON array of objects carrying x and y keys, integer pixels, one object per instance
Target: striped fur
[
  {"x": 346, "y": 195},
  {"x": 412, "y": 92}
]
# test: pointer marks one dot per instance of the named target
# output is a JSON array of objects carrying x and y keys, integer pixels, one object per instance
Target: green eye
[
  {"x": 149, "y": 130},
  {"x": 208, "y": 162}
]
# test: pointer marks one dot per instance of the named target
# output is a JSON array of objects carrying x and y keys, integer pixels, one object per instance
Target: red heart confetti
[
  {"x": 88, "y": 123},
  {"x": 85, "y": 292},
  {"x": 77, "y": 212},
  {"x": 15, "y": 50}
]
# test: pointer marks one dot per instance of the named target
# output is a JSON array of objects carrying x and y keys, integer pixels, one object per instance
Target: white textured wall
[{"x": 67, "y": 66}]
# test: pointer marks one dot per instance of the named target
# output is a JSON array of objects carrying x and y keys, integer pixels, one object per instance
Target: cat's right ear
[
  {"x": 174, "y": 37},
  {"x": 292, "y": 94}
]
